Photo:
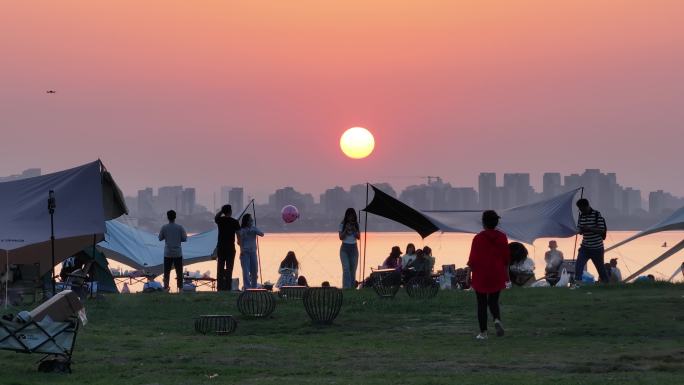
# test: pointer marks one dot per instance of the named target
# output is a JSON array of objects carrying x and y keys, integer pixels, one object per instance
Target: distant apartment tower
[
  {"x": 487, "y": 190},
  {"x": 517, "y": 189},
  {"x": 169, "y": 198},
  {"x": 462, "y": 198},
  {"x": 552, "y": 184},
  {"x": 660, "y": 202},
  {"x": 146, "y": 203},
  {"x": 28, "y": 173},
  {"x": 188, "y": 201},
  {"x": 601, "y": 189},
  {"x": 335, "y": 201},
  {"x": 235, "y": 197},
  {"x": 631, "y": 201}
]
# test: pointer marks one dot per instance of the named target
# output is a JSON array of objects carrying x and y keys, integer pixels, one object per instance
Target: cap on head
[{"x": 490, "y": 219}]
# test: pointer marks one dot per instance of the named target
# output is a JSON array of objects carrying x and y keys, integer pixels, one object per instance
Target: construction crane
[{"x": 428, "y": 178}]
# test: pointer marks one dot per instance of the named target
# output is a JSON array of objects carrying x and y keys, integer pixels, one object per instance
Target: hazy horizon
[{"x": 257, "y": 93}]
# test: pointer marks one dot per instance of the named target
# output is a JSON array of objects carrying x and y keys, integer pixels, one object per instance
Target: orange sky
[{"x": 187, "y": 91}]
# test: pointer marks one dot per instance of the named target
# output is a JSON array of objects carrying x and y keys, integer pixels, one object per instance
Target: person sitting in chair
[
  {"x": 393, "y": 261},
  {"x": 521, "y": 268},
  {"x": 419, "y": 267}
]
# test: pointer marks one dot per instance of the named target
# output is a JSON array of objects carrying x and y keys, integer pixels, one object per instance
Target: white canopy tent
[
  {"x": 143, "y": 250},
  {"x": 673, "y": 222}
]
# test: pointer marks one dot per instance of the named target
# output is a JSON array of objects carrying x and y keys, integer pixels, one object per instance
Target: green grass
[{"x": 594, "y": 335}]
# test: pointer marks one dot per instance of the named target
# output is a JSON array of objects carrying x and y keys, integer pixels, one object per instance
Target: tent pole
[
  {"x": 92, "y": 266},
  {"x": 365, "y": 238},
  {"x": 7, "y": 276},
  {"x": 574, "y": 251},
  {"x": 261, "y": 278}
]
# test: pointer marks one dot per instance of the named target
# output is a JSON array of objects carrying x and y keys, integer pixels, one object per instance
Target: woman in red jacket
[{"x": 489, "y": 259}]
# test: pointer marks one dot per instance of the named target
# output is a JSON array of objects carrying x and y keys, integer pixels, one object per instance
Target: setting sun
[{"x": 357, "y": 142}]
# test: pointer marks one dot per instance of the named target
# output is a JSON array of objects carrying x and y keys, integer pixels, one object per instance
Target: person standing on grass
[
  {"x": 247, "y": 238},
  {"x": 173, "y": 234},
  {"x": 349, "y": 233},
  {"x": 488, "y": 261},
  {"x": 225, "y": 247},
  {"x": 593, "y": 228}
]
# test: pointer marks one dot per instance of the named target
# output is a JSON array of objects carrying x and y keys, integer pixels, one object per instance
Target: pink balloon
[{"x": 289, "y": 213}]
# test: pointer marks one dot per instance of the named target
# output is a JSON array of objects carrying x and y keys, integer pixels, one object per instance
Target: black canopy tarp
[{"x": 394, "y": 209}]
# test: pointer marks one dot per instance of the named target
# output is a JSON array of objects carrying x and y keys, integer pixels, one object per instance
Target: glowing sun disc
[{"x": 357, "y": 143}]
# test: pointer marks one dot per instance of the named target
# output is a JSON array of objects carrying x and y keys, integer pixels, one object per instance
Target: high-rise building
[
  {"x": 462, "y": 198},
  {"x": 169, "y": 198},
  {"x": 487, "y": 190},
  {"x": 236, "y": 199},
  {"x": 552, "y": 184},
  {"x": 631, "y": 201},
  {"x": 660, "y": 202},
  {"x": 188, "y": 201},
  {"x": 146, "y": 203},
  {"x": 517, "y": 189},
  {"x": 335, "y": 201}
]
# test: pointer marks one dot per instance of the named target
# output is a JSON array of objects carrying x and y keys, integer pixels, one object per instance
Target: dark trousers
[
  {"x": 176, "y": 263},
  {"x": 596, "y": 256},
  {"x": 225, "y": 257},
  {"x": 483, "y": 301}
]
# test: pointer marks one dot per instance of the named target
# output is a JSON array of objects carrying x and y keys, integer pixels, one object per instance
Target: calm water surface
[{"x": 318, "y": 253}]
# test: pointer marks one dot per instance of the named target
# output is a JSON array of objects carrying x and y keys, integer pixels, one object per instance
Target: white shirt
[
  {"x": 406, "y": 258},
  {"x": 349, "y": 238},
  {"x": 524, "y": 266}
]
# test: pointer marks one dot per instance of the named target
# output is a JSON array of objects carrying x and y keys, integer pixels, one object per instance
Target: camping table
[
  {"x": 130, "y": 278},
  {"x": 202, "y": 281}
]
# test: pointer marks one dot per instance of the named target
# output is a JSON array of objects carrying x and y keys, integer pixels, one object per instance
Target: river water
[{"x": 318, "y": 253}]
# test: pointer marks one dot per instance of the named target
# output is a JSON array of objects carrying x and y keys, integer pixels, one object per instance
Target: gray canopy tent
[
  {"x": 86, "y": 197},
  {"x": 673, "y": 222}
]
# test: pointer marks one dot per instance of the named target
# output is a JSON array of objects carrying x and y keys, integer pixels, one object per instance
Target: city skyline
[{"x": 171, "y": 93}]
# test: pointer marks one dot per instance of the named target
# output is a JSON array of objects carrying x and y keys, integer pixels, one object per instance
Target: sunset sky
[{"x": 256, "y": 93}]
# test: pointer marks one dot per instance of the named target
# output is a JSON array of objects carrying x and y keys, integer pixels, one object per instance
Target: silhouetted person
[
  {"x": 301, "y": 281},
  {"x": 349, "y": 233},
  {"x": 247, "y": 237},
  {"x": 409, "y": 256},
  {"x": 173, "y": 234},
  {"x": 288, "y": 270},
  {"x": 225, "y": 247},
  {"x": 393, "y": 261},
  {"x": 613, "y": 271},
  {"x": 593, "y": 228},
  {"x": 488, "y": 261}
]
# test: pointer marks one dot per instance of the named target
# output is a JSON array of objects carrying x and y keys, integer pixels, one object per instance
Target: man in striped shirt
[{"x": 593, "y": 228}]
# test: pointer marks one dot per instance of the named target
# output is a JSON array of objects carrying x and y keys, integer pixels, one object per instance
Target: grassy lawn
[{"x": 593, "y": 335}]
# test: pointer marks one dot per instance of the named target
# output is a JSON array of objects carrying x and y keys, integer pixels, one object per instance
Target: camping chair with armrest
[{"x": 77, "y": 280}]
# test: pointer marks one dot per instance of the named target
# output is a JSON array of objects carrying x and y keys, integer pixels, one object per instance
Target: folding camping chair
[
  {"x": 76, "y": 280},
  {"x": 50, "y": 329}
]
